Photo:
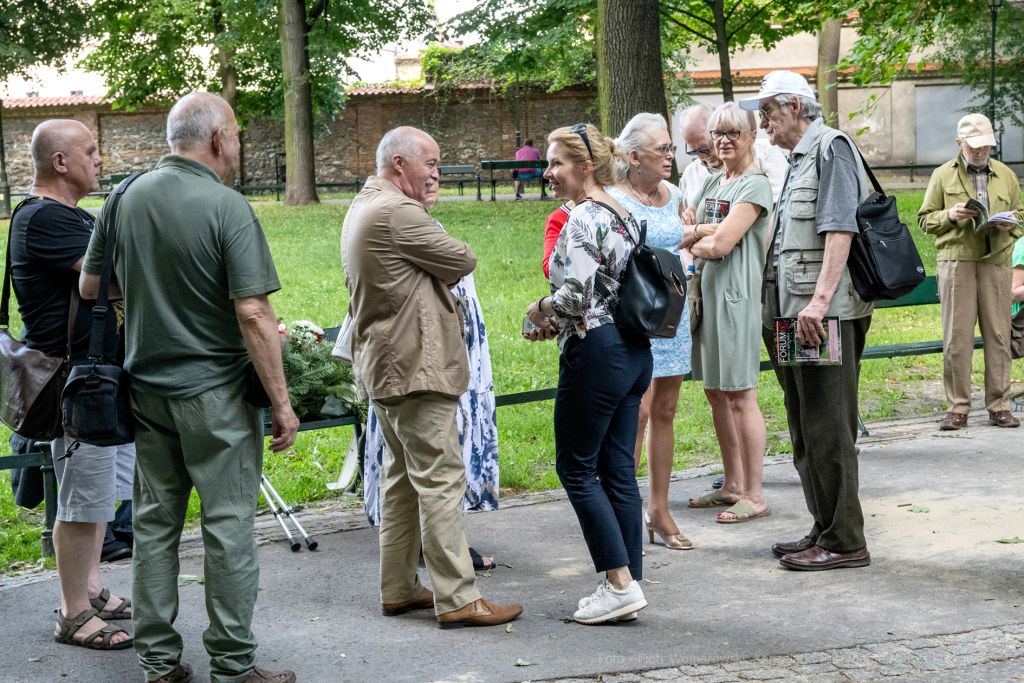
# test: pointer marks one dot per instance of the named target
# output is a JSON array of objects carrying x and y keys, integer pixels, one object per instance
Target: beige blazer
[{"x": 407, "y": 329}]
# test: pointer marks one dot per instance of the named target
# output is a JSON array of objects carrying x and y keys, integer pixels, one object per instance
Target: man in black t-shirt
[{"x": 48, "y": 240}]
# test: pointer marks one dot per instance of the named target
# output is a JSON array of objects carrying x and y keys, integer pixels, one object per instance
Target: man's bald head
[
  {"x": 58, "y": 136},
  {"x": 194, "y": 119},
  {"x": 409, "y": 158}
]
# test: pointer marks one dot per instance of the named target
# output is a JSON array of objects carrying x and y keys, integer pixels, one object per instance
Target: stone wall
[{"x": 470, "y": 127}]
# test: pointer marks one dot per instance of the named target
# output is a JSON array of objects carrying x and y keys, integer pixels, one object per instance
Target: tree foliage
[{"x": 39, "y": 33}]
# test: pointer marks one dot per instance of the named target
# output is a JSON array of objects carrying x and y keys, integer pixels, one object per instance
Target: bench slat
[
  {"x": 508, "y": 165},
  {"x": 450, "y": 170}
]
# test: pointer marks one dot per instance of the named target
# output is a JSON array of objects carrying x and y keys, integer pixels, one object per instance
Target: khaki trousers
[
  {"x": 422, "y": 483},
  {"x": 975, "y": 292}
]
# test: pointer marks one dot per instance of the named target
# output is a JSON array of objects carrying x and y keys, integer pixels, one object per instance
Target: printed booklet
[
  {"x": 984, "y": 220},
  {"x": 792, "y": 351}
]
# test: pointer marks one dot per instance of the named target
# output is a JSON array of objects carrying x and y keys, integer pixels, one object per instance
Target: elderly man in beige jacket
[{"x": 409, "y": 357}]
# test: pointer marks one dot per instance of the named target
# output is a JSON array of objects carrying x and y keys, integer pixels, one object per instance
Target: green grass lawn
[{"x": 507, "y": 238}]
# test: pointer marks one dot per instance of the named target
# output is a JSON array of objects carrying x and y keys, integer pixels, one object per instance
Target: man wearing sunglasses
[
  {"x": 694, "y": 124},
  {"x": 806, "y": 277}
]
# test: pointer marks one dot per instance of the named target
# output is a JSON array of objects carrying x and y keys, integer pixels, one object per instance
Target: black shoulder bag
[
  {"x": 653, "y": 292},
  {"x": 95, "y": 399},
  {"x": 884, "y": 262}
]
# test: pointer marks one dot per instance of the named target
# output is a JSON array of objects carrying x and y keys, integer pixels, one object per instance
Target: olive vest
[{"x": 801, "y": 248}]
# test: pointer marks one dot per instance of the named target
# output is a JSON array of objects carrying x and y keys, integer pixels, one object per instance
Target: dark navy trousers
[{"x": 601, "y": 379}]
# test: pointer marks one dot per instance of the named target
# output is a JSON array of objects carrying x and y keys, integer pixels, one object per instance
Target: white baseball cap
[
  {"x": 976, "y": 131},
  {"x": 778, "y": 83}
]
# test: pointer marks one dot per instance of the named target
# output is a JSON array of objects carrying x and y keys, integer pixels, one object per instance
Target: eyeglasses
[
  {"x": 665, "y": 150},
  {"x": 581, "y": 130},
  {"x": 733, "y": 135},
  {"x": 766, "y": 112},
  {"x": 699, "y": 150}
]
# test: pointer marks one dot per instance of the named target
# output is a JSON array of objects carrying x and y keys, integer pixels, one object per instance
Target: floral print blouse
[{"x": 592, "y": 244}]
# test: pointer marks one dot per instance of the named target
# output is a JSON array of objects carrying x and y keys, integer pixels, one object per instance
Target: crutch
[
  {"x": 290, "y": 511},
  {"x": 295, "y": 545}
]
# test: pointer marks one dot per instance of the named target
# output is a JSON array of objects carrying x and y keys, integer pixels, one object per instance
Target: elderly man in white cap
[
  {"x": 806, "y": 278},
  {"x": 974, "y": 271}
]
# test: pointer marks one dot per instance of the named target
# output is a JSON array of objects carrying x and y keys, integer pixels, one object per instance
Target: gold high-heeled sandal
[{"x": 671, "y": 541}]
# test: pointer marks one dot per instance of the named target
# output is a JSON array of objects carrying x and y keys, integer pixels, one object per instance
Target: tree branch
[
  {"x": 687, "y": 28},
  {"x": 319, "y": 7},
  {"x": 749, "y": 19},
  {"x": 689, "y": 14}
]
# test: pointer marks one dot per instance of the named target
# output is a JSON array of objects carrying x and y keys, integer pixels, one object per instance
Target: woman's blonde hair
[
  {"x": 729, "y": 116},
  {"x": 603, "y": 152}
]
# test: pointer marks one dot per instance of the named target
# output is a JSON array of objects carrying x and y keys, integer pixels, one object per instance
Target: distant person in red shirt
[
  {"x": 526, "y": 153},
  {"x": 556, "y": 221}
]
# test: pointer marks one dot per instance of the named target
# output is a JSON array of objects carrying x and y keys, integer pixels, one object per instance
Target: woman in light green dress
[{"x": 731, "y": 217}]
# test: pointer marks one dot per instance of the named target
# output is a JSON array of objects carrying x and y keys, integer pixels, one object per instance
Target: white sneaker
[
  {"x": 586, "y": 601},
  {"x": 608, "y": 603}
]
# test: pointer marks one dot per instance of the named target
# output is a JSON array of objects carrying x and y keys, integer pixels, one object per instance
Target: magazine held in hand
[
  {"x": 986, "y": 221},
  {"x": 791, "y": 351}
]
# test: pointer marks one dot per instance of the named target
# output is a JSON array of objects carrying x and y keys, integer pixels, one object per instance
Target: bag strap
[
  {"x": 5, "y": 299},
  {"x": 99, "y": 310},
  {"x": 76, "y": 301},
  {"x": 863, "y": 161}
]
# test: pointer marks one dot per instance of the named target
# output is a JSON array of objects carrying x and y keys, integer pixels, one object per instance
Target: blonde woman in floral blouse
[{"x": 603, "y": 371}]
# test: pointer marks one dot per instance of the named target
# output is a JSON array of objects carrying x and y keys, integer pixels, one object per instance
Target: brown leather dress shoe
[
  {"x": 953, "y": 422},
  {"x": 425, "y": 600},
  {"x": 1003, "y": 418},
  {"x": 259, "y": 675},
  {"x": 781, "y": 549},
  {"x": 817, "y": 559},
  {"x": 181, "y": 674},
  {"x": 479, "y": 613}
]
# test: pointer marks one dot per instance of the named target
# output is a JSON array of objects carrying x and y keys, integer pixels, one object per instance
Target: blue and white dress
[
  {"x": 664, "y": 230},
  {"x": 478, "y": 429}
]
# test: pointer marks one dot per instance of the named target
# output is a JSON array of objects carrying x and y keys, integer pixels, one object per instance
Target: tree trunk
[
  {"x": 722, "y": 45},
  {"x": 629, "y": 74},
  {"x": 828, "y": 57},
  {"x": 228, "y": 76},
  {"x": 300, "y": 178}
]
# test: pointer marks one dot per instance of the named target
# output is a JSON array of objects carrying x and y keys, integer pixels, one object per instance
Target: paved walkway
[{"x": 942, "y": 600}]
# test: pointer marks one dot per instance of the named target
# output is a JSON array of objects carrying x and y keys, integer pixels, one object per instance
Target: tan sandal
[
  {"x": 69, "y": 627},
  {"x": 101, "y": 601},
  {"x": 710, "y": 500},
  {"x": 743, "y": 512}
]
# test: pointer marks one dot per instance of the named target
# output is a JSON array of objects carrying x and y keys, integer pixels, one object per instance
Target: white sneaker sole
[{"x": 621, "y": 612}]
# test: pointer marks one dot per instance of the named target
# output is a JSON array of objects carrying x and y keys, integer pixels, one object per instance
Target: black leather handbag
[
  {"x": 95, "y": 403},
  {"x": 653, "y": 292},
  {"x": 884, "y": 262}
]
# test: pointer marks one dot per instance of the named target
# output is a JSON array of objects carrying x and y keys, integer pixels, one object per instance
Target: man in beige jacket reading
[{"x": 409, "y": 357}]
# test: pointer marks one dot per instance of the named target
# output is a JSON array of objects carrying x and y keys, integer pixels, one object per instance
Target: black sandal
[
  {"x": 100, "y": 601},
  {"x": 478, "y": 561},
  {"x": 69, "y": 627}
]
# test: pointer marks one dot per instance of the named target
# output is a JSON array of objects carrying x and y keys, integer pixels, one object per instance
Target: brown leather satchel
[{"x": 30, "y": 381}]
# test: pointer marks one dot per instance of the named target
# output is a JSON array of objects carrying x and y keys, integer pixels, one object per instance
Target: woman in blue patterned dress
[
  {"x": 643, "y": 191},
  {"x": 478, "y": 431}
]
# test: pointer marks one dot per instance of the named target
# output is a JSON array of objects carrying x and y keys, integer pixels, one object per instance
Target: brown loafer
[
  {"x": 181, "y": 674},
  {"x": 781, "y": 549},
  {"x": 479, "y": 613},
  {"x": 817, "y": 559},
  {"x": 259, "y": 675},
  {"x": 425, "y": 600},
  {"x": 953, "y": 422},
  {"x": 1002, "y": 418}
]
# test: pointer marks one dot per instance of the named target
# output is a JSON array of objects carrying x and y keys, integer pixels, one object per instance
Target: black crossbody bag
[
  {"x": 95, "y": 403},
  {"x": 653, "y": 292}
]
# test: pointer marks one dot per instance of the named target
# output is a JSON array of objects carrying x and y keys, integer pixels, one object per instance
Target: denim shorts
[{"x": 92, "y": 479}]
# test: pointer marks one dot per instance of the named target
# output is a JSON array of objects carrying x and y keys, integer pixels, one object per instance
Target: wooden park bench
[
  {"x": 493, "y": 166},
  {"x": 460, "y": 175}
]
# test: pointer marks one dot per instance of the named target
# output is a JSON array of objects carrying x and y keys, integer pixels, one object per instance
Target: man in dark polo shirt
[
  {"x": 49, "y": 237},
  {"x": 196, "y": 271}
]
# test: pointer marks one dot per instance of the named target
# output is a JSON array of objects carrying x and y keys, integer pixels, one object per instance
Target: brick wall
[{"x": 472, "y": 126}]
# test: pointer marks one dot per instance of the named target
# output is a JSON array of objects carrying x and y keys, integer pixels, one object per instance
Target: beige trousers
[
  {"x": 422, "y": 483},
  {"x": 975, "y": 292}
]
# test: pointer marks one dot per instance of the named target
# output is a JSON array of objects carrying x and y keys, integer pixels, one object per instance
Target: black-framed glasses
[
  {"x": 733, "y": 135},
  {"x": 699, "y": 150},
  {"x": 581, "y": 130}
]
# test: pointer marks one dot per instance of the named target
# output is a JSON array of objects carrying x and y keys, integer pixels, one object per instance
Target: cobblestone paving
[{"x": 869, "y": 662}]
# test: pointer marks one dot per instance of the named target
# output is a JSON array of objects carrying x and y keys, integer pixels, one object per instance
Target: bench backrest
[
  {"x": 509, "y": 165},
  {"x": 452, "y": 170}
]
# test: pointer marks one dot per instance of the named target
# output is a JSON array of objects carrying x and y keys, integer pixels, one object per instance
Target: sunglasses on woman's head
[{"x": 581, "y": 130}]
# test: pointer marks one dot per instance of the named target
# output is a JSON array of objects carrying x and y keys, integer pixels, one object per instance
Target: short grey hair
[
  {"x": 809, "y": 109},
  {"x": 637, "y": 134},
  {"x": 400, "y": 141},
  {"x": 194, "y": 119},
  {"x": 698, "y": 114}
]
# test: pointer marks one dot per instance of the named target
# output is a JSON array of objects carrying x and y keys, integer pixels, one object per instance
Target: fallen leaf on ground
[
  {"x": 315, "y": 619},
  {"x": 186, "y": 579},
  {"x": 508, "y": 629},
  {"x": 505, "y": 564},
  {"x": 523, "y": 662},
  {"x": 483, "y": 574},
  {"x": 344, "y": 655},
  {"x": 33, "y": 659},
  {"x": 539, "y": 615},
  {"x": 1015, "y": 539},
  {"x": 649, "y": 581},
  {"x": 568, "y": 620},
  {"x": 914, "y": 508},
  {"x": 904, "y": 505}
]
